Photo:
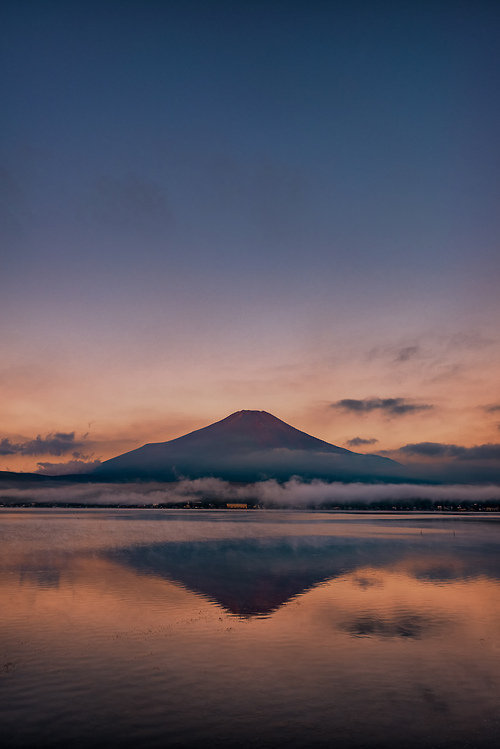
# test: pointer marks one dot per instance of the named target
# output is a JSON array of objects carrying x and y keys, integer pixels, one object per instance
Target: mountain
[
  {"x": 8, "y": 478},
  {"x": 246, "y": 446}
]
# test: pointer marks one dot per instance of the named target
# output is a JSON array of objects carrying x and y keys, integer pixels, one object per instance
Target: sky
[{"x": 282, "y": 206}]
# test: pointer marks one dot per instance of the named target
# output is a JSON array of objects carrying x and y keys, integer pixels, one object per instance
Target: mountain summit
[
  {"x": 252, "y": 430},
  {"x": 246, "y": 446}
]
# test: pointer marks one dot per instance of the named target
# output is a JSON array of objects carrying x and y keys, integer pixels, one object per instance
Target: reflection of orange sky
[
  {"x": 76, "y": 622},
  {"x": 129, "y": 398},
  {"x": 27, "y": 544},
  {"x": 101, "y": 611},
  {"x": 94, "y": 593}
]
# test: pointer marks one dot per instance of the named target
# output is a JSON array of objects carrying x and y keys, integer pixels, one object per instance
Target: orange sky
[{"x": 122, "y": 401}]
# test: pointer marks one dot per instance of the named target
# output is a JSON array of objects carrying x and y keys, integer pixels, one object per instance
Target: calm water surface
[{"x": 152, "y": 628}]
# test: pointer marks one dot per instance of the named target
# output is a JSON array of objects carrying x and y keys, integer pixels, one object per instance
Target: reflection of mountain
[
  {"x": 246, "y": 446},
  {"x": 255, "y": 577}
]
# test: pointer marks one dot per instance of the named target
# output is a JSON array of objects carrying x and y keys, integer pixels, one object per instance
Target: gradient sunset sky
[{"x": 213, "y": 206}]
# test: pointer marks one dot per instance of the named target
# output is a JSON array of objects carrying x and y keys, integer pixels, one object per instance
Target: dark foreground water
[{"x": 150, "y": 628}]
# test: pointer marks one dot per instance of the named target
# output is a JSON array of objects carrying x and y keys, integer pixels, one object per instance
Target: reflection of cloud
[
  {"x": 433, "y": 700},
  {"x": 364, "y": 582},
  {"x": 400, "y": 625},
  {"x": 390, "y": 406},
  {"x": 358, "y": 441},
  {"x": 48, "y": 577},
  {"x": 56, "y": 443}
]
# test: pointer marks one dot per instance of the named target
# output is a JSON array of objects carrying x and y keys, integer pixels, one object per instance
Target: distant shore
[{"x": 462, "y": 508}]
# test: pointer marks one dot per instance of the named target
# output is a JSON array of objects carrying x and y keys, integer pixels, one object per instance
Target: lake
[{"x": 196, "y": 628}]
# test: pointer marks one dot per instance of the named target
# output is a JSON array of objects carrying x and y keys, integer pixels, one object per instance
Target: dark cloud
[
  {"x": 390, "y": 406},
  {"x": 357, "y": 441},
  {"x": 56, "y": 443},
  {"x": 492, "y": 408},
  {"x": 7, "y": 447},
  {"x": 70, "y": 467},
  {"x": 490, "y": 451}
]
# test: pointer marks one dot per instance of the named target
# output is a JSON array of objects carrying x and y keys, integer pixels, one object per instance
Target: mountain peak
[
  {"x": 249, "y": 429},
  {"x": 245, "y": 445},
  {"x": 250, "y": 413}
]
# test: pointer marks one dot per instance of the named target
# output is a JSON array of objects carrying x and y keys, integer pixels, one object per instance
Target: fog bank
[{"x": 294, "y": 493}]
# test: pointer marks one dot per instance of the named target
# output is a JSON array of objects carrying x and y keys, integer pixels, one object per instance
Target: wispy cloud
[
  {"x": 406, "y": 353},
  {"x": 359, "y": 441},
  {"x": 390, "y": 406},
  {"x": 471, "y": 340},
  {"x": 399, "y": 352}
]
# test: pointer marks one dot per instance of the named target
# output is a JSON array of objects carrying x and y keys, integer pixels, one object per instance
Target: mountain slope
[{"x": 246, "y": 446}]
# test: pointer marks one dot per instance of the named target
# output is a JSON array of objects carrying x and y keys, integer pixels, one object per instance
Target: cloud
[
  {"x": 471, "y": 341},
  {"x": 294, "y": 493},
  {"x": 358, "y": 441},
  {"x": 132, "y": 202},
  {"x": 390, "y": 406},
  {"x": 71, "y": 466},
  {"x": 406, "y": 353},
  {"x": 492, "y": 408},
  {"x": 489, "y": 451},
  {"x": 55, "y": 443},
  {"x": 7, "y": 447},
  {"x": 396, "y": 353}
]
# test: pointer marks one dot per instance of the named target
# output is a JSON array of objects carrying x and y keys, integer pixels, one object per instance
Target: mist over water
[
  {"x": 262, "y": 629},
  {"x": 294, "y": 493}
]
